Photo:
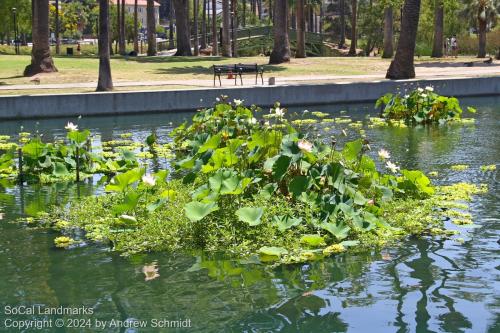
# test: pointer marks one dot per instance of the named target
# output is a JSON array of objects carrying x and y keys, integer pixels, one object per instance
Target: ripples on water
[{"x": 422, "y": 285}]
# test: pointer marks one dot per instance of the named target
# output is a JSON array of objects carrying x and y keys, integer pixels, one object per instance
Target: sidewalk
[{"x": 423, "y": 71}]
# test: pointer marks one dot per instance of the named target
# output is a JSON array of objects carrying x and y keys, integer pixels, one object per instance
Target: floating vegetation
[
  {"x": 270, "y": 192},
  {"x": 433, "y": 174},
  {"x": 486, "y": 168},
  {"x": 320, "y": 114},
  {"x": 459, "y": 167},
  {"x": 63, "y": 242},
  {"x": 420, "y": 106}
]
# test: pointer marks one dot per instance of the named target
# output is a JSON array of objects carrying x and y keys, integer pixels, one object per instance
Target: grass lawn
[{"x": 85, "y": 69}]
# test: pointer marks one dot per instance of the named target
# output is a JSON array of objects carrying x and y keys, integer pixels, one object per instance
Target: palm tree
[
  {"x": 352, "y": 49},
  {"x": 58, "y": 28},
  {"x": 402, "y": 66},
  {"x": 234, "y": 26},
  {"x": 204, "y": 26},
  {"x": 104, "y": 83},
  {"x": 151, "y": 24},
  {"x": 136, "y": 29},
  {"x": 182, "y": 24},
  {"x": 437, "y": 47},
  {"x": 481, "y": 13},
  {"x": 301, "y": 30},
  {"x": 195, "y": 23},
  {"x": 281, "y": 48},
  {"x": 226, "y": 41},
  {"x": 41, "y": 60},
  {"x": 122, "y": 28},
  {"x": 342, "y": 24},
  {"x": 388, "y": 33},
  {"x": 215, "y": 46}
]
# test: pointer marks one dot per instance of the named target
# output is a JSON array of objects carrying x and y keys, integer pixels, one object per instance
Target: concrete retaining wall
[{"x": 114, "y": 103}]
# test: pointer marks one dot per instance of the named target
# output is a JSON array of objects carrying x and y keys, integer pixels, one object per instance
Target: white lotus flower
[
  {"x": 217, "y": 99},
  {"x": 384, "y": 154},
  {"x": 344, "y": 133},
  {"x": 71, "y": 127},
  {"x": 252, "y": 121},
  {"x": 391, "y": 166},
  {"x": 279, "y": 112},
  {"x": 267, "y": 124},
  {"x": 420, "y": 90},
  {"x": 424, "y": 95},
  {"x": 238, "y": 102},
  {"x": 305, "y": 145},
  {"x": 406, "y": 96},
  {"x": 149, "y": 180},
  {"x": 429, "y": 88}
]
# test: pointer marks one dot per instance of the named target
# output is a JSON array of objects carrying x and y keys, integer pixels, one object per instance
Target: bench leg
[
  {"x": 256, "y": 76},
  {"x": 241, "y": 79},
  {"x": 262, "y": 78},
  {"x": 235, "y": 78},
  {"x": 214, "y": 80},
  {"x": 220, "y": 83}
]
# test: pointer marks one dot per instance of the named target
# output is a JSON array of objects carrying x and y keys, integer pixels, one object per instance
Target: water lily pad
[{"x": 250, "y": 215}]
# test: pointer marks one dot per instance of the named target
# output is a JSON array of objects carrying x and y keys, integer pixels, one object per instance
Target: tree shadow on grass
[
  {"x": 478, "y": 63},
  {"x": 207, "y": 70},
  {"x": 11, "y": 77}
]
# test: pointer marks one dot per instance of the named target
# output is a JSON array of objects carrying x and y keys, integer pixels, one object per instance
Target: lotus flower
[
  {"x": 279, "y": 112},
  {"x": 305, "y": 145},
  {"x": 429, "y": 88},
  {"x": 71, "y": 127},
  {"x": 238, "y": 102},
  {"x": 391, "y": 166},
  {"x": 252, "y": 121},
  {"x": 384, "y": 154},
  {"x": 149, "y": 180}
]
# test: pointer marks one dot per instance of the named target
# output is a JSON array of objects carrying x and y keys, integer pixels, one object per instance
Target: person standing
[{"x": 454, "y": 46}]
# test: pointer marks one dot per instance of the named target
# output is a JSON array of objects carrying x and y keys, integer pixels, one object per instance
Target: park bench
[{"x": 239, "y": 69}]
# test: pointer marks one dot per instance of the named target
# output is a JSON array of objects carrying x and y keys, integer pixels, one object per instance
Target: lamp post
[{"x": 16, "y": 41}]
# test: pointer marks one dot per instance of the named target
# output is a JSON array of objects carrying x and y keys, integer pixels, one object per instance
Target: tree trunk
[
  {"x": 196, "y": 36},
  {"x": 204, "y": 26},
  {"x": 118, "y": 27},
  {"x": 388, "y": 33},
  {"x": 58, "y": 28},
  {"x": 271, "y": 10},
  {"x": 215, "y": 45},
  {"x": 437, "y": 47},
  {"x": 402, "y": 66},
  {"x": 281, "y": 48},
  {"x": 226, "y": 44},
  {"x": 482, "y": 32},
  {"x": 352, "y": 49},
  {"x": 234, "y": 26},
  {"x": 41, "y": 60},
  {"x": 136, "y": 29},
  {"x": 243, "y": 17},
  {"x": 342, "y": 24},
  {"x": 104, "y": 82},
  {"x": 151, "y": 25},
  {"x": 259, "y": 8},
  {"x": 301, "y": 30},
  {"x": 122, "y": 29},
  {"x": 171, "y": 25},
  {"x": 182, "y": 24}
]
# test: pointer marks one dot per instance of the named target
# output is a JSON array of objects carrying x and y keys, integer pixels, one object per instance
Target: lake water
[{"x": 420, "y": 285}]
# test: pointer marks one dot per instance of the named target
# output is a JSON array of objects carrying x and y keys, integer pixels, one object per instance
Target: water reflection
[{"x": 422, "y": 286}]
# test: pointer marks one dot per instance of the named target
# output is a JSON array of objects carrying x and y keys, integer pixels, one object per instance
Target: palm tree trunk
[
  {"x": 215, "y": 46},
  {"x": 437, "y": 47},
  {"x": 244, "y": 18},
  {"x": 151, "y": 24},
  {"x": 352, "y": 49},
  {"x": 182, "y": 23},
  {"x": 41, "y": 60},
  {"x": 388, "y": 33},
  {"x": 342, "y": 24},
  {"x": 136, "y": 29},
  {"x": 104, "y": 82},
  {"x": 301, "y": 30},
  {"x": 196, "y": 36},
  {"x": 204, "y": 26},
  {"x": 122, "y": 29},
  {"x": 171, "y": 25},
  {"x": 58, "y": 28},
  {"x": 482, "y": 32},
  {"x": 118, "y": 26},
  {"x": 234, "y": 23},
  {"x": 281, "y": 48},
  {"x": 271, "y": 10},
  {"x": 259, "y": 8},
  {"x": 402, "y": 66},
  {"x": 226, "y": 44}
]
